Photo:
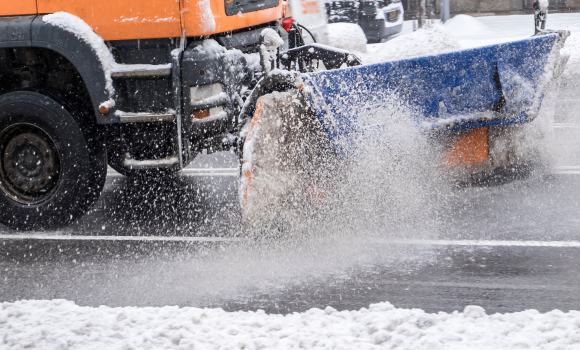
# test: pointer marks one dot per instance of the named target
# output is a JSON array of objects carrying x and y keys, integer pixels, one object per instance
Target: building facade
[{"x": 487, "y": 7}]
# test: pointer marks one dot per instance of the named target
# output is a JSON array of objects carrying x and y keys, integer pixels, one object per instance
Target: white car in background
[
  {"x": 379, "y": 19},
  {"x": 393, "y": 14},
  {"x": 310, "y": 14}
]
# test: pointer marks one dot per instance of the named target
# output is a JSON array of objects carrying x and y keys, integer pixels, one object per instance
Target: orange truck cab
[
  {"x": 135, "y": 19},
  {"x": 141, "y": 86}
]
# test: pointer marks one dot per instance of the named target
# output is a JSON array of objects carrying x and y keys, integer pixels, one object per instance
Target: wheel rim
[{"x": 29, "y": 164}]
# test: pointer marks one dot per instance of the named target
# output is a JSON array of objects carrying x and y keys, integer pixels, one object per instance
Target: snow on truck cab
[{"x": 141, "y": 86}]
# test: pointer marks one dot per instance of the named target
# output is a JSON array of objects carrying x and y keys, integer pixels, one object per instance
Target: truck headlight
[{"x": 205, "y": 92}]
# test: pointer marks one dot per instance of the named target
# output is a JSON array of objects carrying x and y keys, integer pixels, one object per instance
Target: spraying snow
[
  {"x": 572, "y": 49},
  {"x": 295, "y": 184},
  {"x": 284, "y": 154}
]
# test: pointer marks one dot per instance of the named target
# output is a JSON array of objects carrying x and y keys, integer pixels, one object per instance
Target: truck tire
[{"x": 53, "y": 163}]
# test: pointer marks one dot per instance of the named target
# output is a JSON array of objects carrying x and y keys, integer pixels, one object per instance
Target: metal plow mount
[{"x": 498, "y": 84}]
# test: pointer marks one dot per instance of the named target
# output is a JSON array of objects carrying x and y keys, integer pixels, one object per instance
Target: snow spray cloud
[
  {"x": 296, "y": 184},
  {"x": 310, "y": 212}
]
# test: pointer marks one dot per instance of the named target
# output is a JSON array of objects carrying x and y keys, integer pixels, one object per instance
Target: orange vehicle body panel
[
  {"x": 196, "y": 25},
  {"x": 145, "y": 19},
  {"x": 18, "y": 7},
  {"x": 122, "y": 19},
  {"x": 468, "y": 150}
]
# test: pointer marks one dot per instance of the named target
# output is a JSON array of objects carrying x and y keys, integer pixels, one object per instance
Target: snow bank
[
  {"x": 473, "y": 32},
  {"x": 347, "y": 36},
  {"x": 60, "y": 324},
  {"x": 464, "y": 25},
  {"x": 425, "y": 41}
]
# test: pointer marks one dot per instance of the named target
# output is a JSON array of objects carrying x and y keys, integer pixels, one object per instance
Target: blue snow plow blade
[{"x": 498, "y": 84}]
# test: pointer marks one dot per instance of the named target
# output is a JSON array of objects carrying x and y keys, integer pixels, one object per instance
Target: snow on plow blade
[{"x": 493, "y": 85}]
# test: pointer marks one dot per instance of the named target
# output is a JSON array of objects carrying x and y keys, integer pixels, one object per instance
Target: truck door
[
  {"x": 16, "y": 8},
  {"x": 121, "y": 19}
]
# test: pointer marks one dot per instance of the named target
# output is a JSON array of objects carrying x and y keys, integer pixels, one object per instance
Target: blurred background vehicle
[{"x": 379, "y": 19}]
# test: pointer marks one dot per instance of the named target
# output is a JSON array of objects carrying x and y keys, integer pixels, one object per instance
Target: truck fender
[{"x": 32, "y": 31}]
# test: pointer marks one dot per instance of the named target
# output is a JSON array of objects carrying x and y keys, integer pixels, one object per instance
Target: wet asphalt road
[
  {"x": 345, "y": 275},
  {"x": 343, "y": 272}
]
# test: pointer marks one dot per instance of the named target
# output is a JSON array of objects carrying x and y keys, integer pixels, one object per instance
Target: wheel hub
[{"x": 30, "y": 164}]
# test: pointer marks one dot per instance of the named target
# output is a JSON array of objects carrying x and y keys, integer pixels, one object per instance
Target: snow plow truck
[{"x": 145, "y": 86}]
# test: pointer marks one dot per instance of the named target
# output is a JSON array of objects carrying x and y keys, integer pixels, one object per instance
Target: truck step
[
  {"x": 141, "y": 70},
  {"x": 168, "y": 162},
  {"x": 128, "y": 117}
]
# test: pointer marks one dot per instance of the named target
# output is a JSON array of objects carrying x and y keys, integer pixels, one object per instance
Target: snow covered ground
[{"x": 60, "y": 324}]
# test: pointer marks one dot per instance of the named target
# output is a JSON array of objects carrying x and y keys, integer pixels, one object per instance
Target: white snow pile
[
  {"x": 465, "y": 26},
  {"x": 347, "y": 36},
  {"x": 83, "y": 31},
  {"x": 473, "y": 32},
  {"x": 544, "y": 4},
  {"x": 60, "y": 324},
  {"x": 422, "y": 42}
]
